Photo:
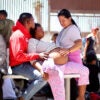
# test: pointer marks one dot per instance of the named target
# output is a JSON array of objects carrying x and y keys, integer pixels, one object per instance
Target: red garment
[
  {"x": 18, "y": 46},
  {"x": 94, "y": 96}
]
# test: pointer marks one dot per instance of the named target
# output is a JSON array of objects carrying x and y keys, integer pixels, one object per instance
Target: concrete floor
[{"x": 41, "y": 98}]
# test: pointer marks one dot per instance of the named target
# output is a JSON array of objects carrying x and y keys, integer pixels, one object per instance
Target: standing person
[
  {"x": 56, "y": 72},
  {"x": 20, "y": 59},
  {"x": 5, "y": 32},
  {"x": 2, "y": 62},
  {"x": 5, "y": 26},
  {"x": 91, "y": 42},
  {"x": 93, "y": 67}
]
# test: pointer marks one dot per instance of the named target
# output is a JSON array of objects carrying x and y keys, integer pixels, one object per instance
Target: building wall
[{"x": 82, "y": 6}]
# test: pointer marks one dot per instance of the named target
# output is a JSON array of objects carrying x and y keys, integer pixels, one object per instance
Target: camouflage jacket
[
  {"x": 3, "y": 53},
  {"x": 6, "y": 29}
]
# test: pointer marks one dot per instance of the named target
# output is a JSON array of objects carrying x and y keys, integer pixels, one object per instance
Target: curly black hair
[{"x": 33, "y": 30}]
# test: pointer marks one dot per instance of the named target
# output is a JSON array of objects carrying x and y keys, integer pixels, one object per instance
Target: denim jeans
[{"x": 27, "y": 70}]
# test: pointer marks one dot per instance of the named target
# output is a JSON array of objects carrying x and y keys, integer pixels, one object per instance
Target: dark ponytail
[{"x": 73, "y": 22}]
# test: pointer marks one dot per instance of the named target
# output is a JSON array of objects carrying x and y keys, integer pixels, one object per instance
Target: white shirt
[
  {"x": 39, "y": 46},
  {"x": 68, "y": 36}
]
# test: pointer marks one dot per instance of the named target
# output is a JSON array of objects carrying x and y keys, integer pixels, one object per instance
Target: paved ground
[
  {"x": 41, "y": 98},
  {"x": 44, "y": 97}
]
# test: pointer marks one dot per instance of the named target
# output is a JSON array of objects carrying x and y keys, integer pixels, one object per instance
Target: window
[{"x": 84, "y": 21}]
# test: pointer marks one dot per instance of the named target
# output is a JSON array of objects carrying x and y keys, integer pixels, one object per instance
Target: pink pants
[
  {"x": 56, "y": 76},
  {"x": 75, "y": 56}
]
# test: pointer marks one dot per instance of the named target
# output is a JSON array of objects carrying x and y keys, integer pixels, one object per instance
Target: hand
[
  {"x": 64, "y": 51},
  {"x": 55, "y": 50},
  {"x": 43, "y": 56},
  {"x": 44, "y": 75}
]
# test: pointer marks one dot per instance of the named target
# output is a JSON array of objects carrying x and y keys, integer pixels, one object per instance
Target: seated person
[
  {"x": 91, "y": 60},
  {"x": 37, "y": 45},
  {"x": 50, "y": 48},
  {"x": 20, "y": 59}
]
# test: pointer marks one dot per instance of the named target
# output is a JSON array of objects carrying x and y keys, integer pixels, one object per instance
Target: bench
[
  {"x": 15, "y": 77},
  {"x": 67, "y": 78}
]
